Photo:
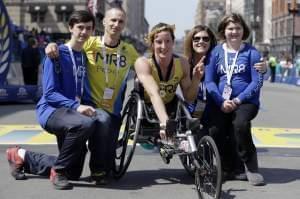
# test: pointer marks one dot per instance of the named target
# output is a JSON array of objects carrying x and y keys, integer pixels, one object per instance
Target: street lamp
[{"x": 293, "y": 10}]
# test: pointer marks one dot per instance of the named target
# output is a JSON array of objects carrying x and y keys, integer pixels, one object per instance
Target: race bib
[
  {"x": 227, "y": 92},
  {"x": 108, "y": 93}
]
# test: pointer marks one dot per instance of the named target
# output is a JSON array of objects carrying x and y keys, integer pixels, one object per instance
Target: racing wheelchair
[{"x": 198, "y": 154}]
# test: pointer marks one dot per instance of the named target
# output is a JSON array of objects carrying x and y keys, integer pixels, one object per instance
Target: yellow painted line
[
  {"x": 43, "y": 138},
  {"x": 6, "y": 128},
  {"x": 276, "y": 137},
  {"x": 263, "y": 137}
]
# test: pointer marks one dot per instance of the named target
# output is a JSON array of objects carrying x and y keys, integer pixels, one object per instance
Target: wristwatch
[{"x": 237, "y": 101}]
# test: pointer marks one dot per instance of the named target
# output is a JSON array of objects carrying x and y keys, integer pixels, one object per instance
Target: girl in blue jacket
[{"x": 234, "y": 86}]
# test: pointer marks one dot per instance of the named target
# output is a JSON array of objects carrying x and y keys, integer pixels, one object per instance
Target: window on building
[
  {"x": 63, "y": 17},
  {"x": 289, "y": 28},
  {"x": 281, "y": 28},
  {"x": 37, "y": 12},
  {"x": 38, "y": 17},
  {"x": 298, "y": 8},
  {"x": 63, "y": 12},
  {"x": 276, "y": 29}
]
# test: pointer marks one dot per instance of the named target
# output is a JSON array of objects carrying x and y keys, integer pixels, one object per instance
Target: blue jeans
[{"x": 102, "y": 143}]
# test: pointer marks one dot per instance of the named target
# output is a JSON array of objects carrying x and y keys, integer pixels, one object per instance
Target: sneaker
[
  {"x": 240, "y": 176},
  {"x": 15, "y": 163},
  {"x": 100, "y": 178},
  {"x": 255, "y": 178},
  {"x": 59, "y": 180}
]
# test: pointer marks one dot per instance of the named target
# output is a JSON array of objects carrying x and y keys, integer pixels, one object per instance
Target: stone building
[
  {"x": 209, "y": 12},
  {"x": 52, "y": 16},
  {"x": 285, "y": 28},
  {"x": 48, "y": 15}
]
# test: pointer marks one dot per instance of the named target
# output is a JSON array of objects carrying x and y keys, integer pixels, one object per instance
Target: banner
[
  {"x": 5, "y": 43},
  {"x": 15, "y": 93}
]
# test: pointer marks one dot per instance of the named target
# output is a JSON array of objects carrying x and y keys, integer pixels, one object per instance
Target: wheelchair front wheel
[
  {"x": 187, "y": 162},
  {"x": 127, "y": 138},
  {"x": 208, "y": 177}
]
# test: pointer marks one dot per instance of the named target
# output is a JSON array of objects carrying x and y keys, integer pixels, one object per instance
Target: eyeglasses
[{"x": 197, "y": 39}]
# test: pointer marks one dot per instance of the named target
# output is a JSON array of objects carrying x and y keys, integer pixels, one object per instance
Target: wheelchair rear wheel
[
  {"x": 127, "y": 138},
  {"x": 208, "y": 177}
]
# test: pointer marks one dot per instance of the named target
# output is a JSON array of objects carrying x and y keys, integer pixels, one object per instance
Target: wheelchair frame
[{"x": 202, "y": 160}]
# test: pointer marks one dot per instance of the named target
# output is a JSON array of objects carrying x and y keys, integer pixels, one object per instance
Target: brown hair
[
  {"x": 234, "y": 18},
  {"x": 81, "y": 16},
  {"x": 188, "y": 43}
]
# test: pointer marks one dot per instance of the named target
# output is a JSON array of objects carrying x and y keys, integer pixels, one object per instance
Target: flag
[
  {"x": 92, "y": 6},
  {"x": 5, "y": 43}
]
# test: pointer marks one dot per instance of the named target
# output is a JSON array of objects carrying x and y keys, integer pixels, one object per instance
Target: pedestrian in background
[
  {"x": 30, "y": 61},
  {"x": 272, "y": 65}
]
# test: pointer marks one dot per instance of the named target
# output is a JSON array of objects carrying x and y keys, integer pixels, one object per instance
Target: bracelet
[{"x": 162, "y": 126}]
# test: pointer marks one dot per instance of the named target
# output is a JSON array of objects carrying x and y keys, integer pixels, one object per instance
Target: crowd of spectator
[
  {"x": 283, "y": 68},
  {"x": 28, "y": 48}
]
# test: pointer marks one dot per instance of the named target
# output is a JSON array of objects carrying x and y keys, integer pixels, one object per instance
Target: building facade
[
  {"x": 237, "y": 6},
  {"x": 253, "y": 15},
  {"x": 209, "y": 12},
  {"x": 52, "y": 16},
  {"x": 48, "y": 15},
  {"x": 286, "y": 28},
  {"x": 137, "y": 26}
]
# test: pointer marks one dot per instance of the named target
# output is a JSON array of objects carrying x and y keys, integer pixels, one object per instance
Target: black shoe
[
  {"x": 101, "y": 178},
  {"x": 227, "y": 176},
  {"x": 59, "y": 180}
]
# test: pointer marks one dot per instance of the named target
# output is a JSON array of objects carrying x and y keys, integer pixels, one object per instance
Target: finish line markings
[{"x": 35, "y": 135}]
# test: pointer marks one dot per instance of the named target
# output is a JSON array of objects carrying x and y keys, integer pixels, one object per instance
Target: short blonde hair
[{"x": 160, "y": 27}]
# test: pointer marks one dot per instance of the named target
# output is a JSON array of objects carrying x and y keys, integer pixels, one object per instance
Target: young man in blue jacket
[{"x": 60, "y": 113}]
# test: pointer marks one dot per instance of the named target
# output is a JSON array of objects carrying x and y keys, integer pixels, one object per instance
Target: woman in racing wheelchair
[
  {"x": 172, "y": 124},
  {"x": 162, "y": 72}
]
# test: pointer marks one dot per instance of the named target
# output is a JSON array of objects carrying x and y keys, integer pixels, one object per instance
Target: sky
[{"x": 178, "y": 12}]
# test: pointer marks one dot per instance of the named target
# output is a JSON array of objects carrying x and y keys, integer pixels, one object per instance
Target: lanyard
[
  {"x": 203, "y": 88},
  {"x": 105, "y": 61},
  {"x": 76, "y": 71},
  {"x": 229, "y": 69}
]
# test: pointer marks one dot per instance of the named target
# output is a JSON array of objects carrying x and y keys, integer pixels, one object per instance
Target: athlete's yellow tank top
[{"x": 167, "y": 89}]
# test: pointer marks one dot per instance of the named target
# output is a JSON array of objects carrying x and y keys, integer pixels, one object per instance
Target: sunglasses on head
[{"x": 197, "y": 39}]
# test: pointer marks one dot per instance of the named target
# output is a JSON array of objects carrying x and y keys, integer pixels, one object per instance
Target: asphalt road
[
  {"x": 280, "y": 107},
  {"x": 148, "y": 177}
]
